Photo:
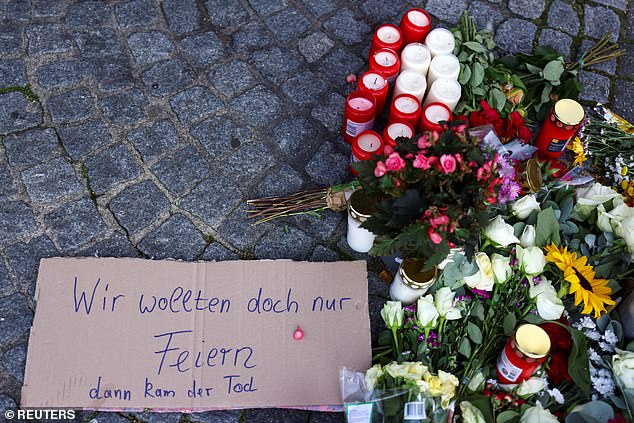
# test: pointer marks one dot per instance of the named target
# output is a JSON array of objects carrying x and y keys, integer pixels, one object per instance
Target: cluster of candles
[{"x": 417, "y": 65}]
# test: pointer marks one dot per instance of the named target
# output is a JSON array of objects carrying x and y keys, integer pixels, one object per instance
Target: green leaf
[
  {"x": 478, "y": 310},
  {"x": 472, "y": 45},
  {"x": 507, "y": 416},
  {"x": 534, "y": 319},
  {"x": 474, "y": 332},
  {"x": 465, "y": 348},
  {"x": 566, "y": 208},
  {"x": 535, "y": 70},
  {"x": 578, "y": 362},
  {"x": 465, "y": 74},
  {"x": 477, "y": 75},
  {"x": 553, "y": 71},
  {"x": 547, "y": 229},
  {"x": 499, "y": 99},
  {"x": 545, "y": 98},
  {"x": 509, "y": 323}
]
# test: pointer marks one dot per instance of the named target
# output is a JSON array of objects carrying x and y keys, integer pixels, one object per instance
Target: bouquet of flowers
[{"x": 431, "y": 193}]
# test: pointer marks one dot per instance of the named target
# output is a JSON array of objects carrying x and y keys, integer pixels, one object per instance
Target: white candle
[
  {"x": 410, "y": 82},
  {"x": 436, "y": 113},
  {"x": 445, "y": 66},
  {"x": 404, "y": 293},
  {"x": 385, "y": 58},
  {"x": 415, "y": 56},
  {"x": 446, "y": 91},
  {"x": 369, "y": 142},
  {"x": 388, "y": 34},
  {"x": 440, "y": 41},
  {"x": 360, "y": 103},
  {"x": 398, "y": 129},
  {"x": 406, "y": 105},
  {"x": 374, "y": 81},
  {"x": 417, "y": 18},
  {"x": 359, "y": 239}
]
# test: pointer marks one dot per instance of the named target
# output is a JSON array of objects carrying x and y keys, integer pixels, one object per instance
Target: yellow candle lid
[
  {"x": 532, "y": 340},
  {"x": 569, "y": 111}
]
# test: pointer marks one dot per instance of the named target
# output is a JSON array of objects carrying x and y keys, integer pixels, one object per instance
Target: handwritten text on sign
[{"x": 133, "y": 333}]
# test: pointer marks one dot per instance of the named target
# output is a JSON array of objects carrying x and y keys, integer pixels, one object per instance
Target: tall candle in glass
[
  {"x": 432, "y": 114},
  {"x": 360, "y": 208},
  {"x": 524, "y": 352},
  {"x": 445, "y": 91},
  {"x": 405, "y": 108},
  {"x": 446, "y": 66},
  {"x": 415, "y": 56},
  {"x": 411, "y": 282},
  {"x": 358, "y": 115}
]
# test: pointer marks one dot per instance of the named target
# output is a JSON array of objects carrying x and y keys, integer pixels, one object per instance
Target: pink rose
[
  {"x": 448, "y": 163},
  {"x": 387, "y": 150},
  {"x": 394, "y": 162},
  {"x": 421, "y": 162},
  {"x": 440, "y": 220},
  {"x": 434, "y": 236},
  {"x": 423, "y": 142},
  {"x": 380, "y": 169}
]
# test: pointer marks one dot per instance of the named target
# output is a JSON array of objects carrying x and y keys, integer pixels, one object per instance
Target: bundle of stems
[
  {"x": 602, "y": 51},
  {"x": 305, "y": 202},
  {"x": 606, "y": 141}
]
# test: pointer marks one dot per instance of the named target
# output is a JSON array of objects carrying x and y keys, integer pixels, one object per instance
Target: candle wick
[{"x": 375, "y": 79}]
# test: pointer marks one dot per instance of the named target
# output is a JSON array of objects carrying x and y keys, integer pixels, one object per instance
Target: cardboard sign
[{"x": 132, "y": 333}]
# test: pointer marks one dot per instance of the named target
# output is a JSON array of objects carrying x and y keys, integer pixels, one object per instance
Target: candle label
[
  {"x": 508, "y": 369},
  {"x": 355, "y": 128}
]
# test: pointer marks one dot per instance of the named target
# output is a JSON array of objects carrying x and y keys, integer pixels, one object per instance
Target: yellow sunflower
[
  {"x": 580, "y": 152},
  {"x": 593, "y": 292}
]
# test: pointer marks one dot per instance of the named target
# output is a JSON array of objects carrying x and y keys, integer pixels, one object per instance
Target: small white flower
[
  {"x": 556, "y": 395},
  {"x": 610, "y": 337},
  {"x": 592, "y": 334},
  {"x": 588, "y": 322},
  {"x": 593, "y": 356},
  {"x": 603, "y": 385},
  {"x": 606, "y": 347},
  {"x": 493, "y": 382}
]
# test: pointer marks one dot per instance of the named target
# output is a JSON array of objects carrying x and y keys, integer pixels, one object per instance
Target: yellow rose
[{"x": 435, "y": 386}]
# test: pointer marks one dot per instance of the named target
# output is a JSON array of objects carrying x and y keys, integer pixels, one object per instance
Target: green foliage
[{"x": 24, "y": 89}]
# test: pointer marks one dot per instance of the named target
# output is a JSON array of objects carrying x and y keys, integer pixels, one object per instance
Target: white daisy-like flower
[{"x": 556, "y": 395}]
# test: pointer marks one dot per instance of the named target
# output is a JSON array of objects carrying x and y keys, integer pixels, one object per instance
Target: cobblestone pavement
[{"x": 150, "y": 123}]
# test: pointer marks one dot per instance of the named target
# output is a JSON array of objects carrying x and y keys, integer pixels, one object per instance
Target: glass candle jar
[
  {"x": 443, "y": 66},
  {"x": 364, "y": 146},
  {"x": 396, "y": 130},
  {"x": 358, "y": 115},
  {"x": 415, "y": 56},
  {"x": 360, "y": 208},
  {"x": 524, "y": 352},
  {"x": 432, "y": 114},
  {"x": 560, "y": 126},
  {"x": 385, "y": 62},
  {"x": 415, "y": 26},
  {"x": 387, "y": 36},
  {"x": 440, "y": 41},
  {"x": 375, "y": 85},
  {"x": 405, "y": 108},
  {"x": 410, "y": 82},
  {"x": 411, "y": 282}
]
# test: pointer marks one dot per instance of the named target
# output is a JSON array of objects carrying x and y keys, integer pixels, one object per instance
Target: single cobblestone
[
  {"x": 137, "y": 14},
  {"x": 19, "y": 10},
  {"x": 117, "y": 245},
  {"x": 139, "y": 205},
  {"x": 124, "y": 108},
  {"x": 557, "y": 40},
  {"x": 18, "y": 113},
  {"x": 282, "y": 181},
  {"x": 177, "y": 238},
  {"x": 97, "y": 42},
  {"x": 16, "y": 219},
  {"x": 247, "y": 163},
  {"x": 446, "y": 10},
  {"x": 288, "y": 24},
  {"x": 304, "y": 88},
  {"x": 48, "y": 39},
  {"x": 275, "y": 64},
  {"x": 111, "y": 167},
  {"x": 167, "y": 77},
  {"x": 380, "y": 11},
  {"x": 225, "y": 13},
  {"x": 111, "y": 73},
  {"x": 346, "y": 28},
  {"x": 31, "y": 147},
  {"x": 195, "y": 103},
  {"x": 623, "y": 92},
  {"x": 563, "y": 17},
  {"x": 180, "y": 172},
  {"x": 531, "y": 9},
  {"x": 219, "y": 191},
  {"x": 231, "y": 79},
  {"x": 154, "y": 140},
  {"x": 14, "y": 361},
  {"x": 516, "y": 35},
  {"x": 250, "y": 37},
  {"x": 59, "y": 74},
  {"x": 71, "y": 106},
  {"x": 89, "y": 14},
  {"x": 148, "y": 47},
  {"x": 321, "y": 253},
  {"x": 286, "y": 242},
  {"x": 11, "y": 36},
  {"x": 216, "y": 252},
  {"x": 206, "y": 49},
  {"x": 239, "y": 231},
  {"x": 338, "y": 64},
  {"x": 314, "y": 46},
  {"x": 618, "y": 4},
  {"x": 259, "y": 106},
  {"x": 182, "y": 15},
  {"x": 51, "y": 181},
  {"x": 75, "y": 224},
  {"x": 485, "y": 15},
  {"x": 328, "y": 167},
  {"x": 320, "y": 8},
  {"x": 48, "y": 9},
  {"x": 221, "y": 136},
  {"x": 7, "y": 186},
  {"x": 16, "y": 317},
  {"x": 295, "y": 135},
  {"x": 12, "y": 73},
  {"x": 600, "y": 20},
  {"x": 330, "y": 114},
  {"x": 24, "y": 258},
  {"x": 78, "y": 144},
  {"x": 267, "y": 7}
]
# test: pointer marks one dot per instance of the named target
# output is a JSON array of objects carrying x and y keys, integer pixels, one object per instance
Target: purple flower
[
  {"x": 411, "y": 308},
  {"x": 421, "y": 338},
  {"x": 481, "y": 293}
]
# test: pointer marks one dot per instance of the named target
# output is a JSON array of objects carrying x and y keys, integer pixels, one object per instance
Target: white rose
[
  {"x": 525, "y": 206},
  {"x": 395, "y": 369},
  {"x": 484, "y": 277},
  {"x": 531, "y": 386},
  {"x": 501, "y": 268},
  {"x": 623, "y": 366},
  {"x": 527, "y": 239},
  {"x": 619, "y": 214},
  {"x": 470, "y": 413},
  {"x": 627, "y": 232},
  {"x": 538, "y": 414},
  {"x": 372, "y": 375},
  {"x": 589, "y": 198},
  {"x": 549, "y": 306},
  {"x": 500, "y": 232},
  {"x": 426, "y": 313},
  {"x": 604, "y": 219},
  {"x": 393, "y": 314},
  {"x": 444, "y": 304},
  {"x": 532, "y": 260}
]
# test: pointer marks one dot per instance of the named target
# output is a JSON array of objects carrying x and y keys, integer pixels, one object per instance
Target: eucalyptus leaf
[
  {"x": 535, "y": 70},
  {"x": 465, "y": 348},
  {"x": 507, "y": 416},
  {"x": 547, "y": 228},
  {"x": 474, "y": 332},
  {"x": 545, "y": 98},
  {"x": 518, "y": 228},
  {"x": 566, "y": 208},
  {"x": 509, "y": 323},
  {"x": 499, "y": 99},
  {"x": 534, "y": 319},
  {"x": 553, "y": 71},
  {"x": 478, "y": 310}
]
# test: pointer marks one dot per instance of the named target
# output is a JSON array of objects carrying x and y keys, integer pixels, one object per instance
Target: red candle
[
  {"x": 387, "y": 36},
  {"x": 377, "y": 86},
  {"x": 415, "y": 25},
  {"x": 560, "y": 126},
  {"x": 358, "y": 114},
  {"x": 386, "y": 63},
  {"x": 364, "y": 146},
  {"x": 396, "y": 130},
  {"x": 405, "y": 108},
  {"x": 524, "y": 352},
  {"x": 432, "y": 114}
]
